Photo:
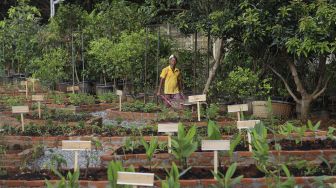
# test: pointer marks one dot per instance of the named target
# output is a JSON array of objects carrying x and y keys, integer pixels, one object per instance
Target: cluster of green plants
[
  {"x": 12, "y": 100},
  {"x": 107, "y": 97},
  {"x": 61, "y": 115},
  {"x": 81, "y": 99},
  {"x": 57, "y": 98},
  {"x": 138, "y": 106}
]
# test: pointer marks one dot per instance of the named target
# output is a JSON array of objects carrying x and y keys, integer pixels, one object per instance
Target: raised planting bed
[{"x": 200, "y": 178}]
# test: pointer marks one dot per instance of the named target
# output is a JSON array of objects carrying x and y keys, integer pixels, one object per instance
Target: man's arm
[{"x": 160, "y": 86}]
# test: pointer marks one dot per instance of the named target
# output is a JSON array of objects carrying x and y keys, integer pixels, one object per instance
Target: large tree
[{"x": 298, "y": 35}]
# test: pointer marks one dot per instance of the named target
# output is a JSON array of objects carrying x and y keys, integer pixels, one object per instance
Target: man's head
[{"x": 172, "y": 60}]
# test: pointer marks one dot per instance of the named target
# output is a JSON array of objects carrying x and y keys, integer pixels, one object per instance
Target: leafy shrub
[
  {"x": 242, "y": 83},
  {"x": 212, "y": 111},
  {"x": 13, "y": 100},
  {"x": 57, "y": 98},
  {"x": 80, "y": 99},
  {"x": 107, "y": 97},
  {"x": 139, "y": 106}
]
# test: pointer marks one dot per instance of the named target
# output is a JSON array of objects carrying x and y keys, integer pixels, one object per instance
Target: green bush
[
  {"x": 13, "y": 100},
  {"x": 212, "y": 111},
  {"x": 139, "y": 106},
  {"x": 242, "y": 83},
  {"x": 80, "y": 99},
  {"x": 107, "y": 97}
]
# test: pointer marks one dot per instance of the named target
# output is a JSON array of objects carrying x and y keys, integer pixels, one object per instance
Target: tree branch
[
  {"x": 322, "y": 90},
  {"x": 321, "y": 71},
  {"x": 298, "y": 83},
  {"x": 286, "y": 84}
]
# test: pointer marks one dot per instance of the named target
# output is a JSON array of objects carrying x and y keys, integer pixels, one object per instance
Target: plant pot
[
  {"x": 102, "y": 88},
  {"x": 280, "y": 109},
  {"x": 62, "y": 86},
  {"x": 86, "y": 87}
]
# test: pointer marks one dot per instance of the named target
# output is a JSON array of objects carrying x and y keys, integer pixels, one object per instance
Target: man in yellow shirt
[{"x": 171, "y": 76}]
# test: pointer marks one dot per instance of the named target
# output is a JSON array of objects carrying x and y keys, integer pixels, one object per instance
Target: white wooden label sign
[
  {"x": 134, "y": 178},
  {"x": 73, "y": 88},
  {"x": 76, "y": 145},
  {"x": 197, "y": 98},
  {"x": 119, "y": 92},
  {"x": 37, "y": 97},
  {"x": 215, "y": 145},
  {"x": 249, "y": 124},
  {"x": 237, "y": 108},
  {"x": 167, "y": 127},
  {"x": 20, "y": 109},
  {"x": 23, "y": 83}
]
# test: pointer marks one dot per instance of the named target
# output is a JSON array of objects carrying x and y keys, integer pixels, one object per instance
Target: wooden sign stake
[
  {"x": 135, "y": 179},
  {"x": 169, "y": 142},
  {"x": 76, "y": 146},
  {"x": 20, "y": 110},
  {"x": 249, "y": 124},
  {"x": 119, "y": 93},
  {"x": 76, "y": 161},
  {"x": 198, "y": 99},
  {"x": 168, "y": 128},
  {"x": 238, "y": 108},
  {"x": 215, "y": 146},
  {"x": 38, "y": 98},
  {"x": 22, "y": 122}
]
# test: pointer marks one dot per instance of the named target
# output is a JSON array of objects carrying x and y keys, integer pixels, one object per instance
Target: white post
[
  {"x": 215, "y": 161},
  {"x": 22, "y": 122},
  {"x": 198, "y": 111},
  {"x": 39, "y": 108},
  {"x": 33, "y": 85},
  {"x": 249, "y": 140},
  {"x": 238, "y": 116},
  {"x": 169, "y": 142},
  {"x": 120, "y": 103},
  {"x": 26, "y": 89},
  {"x": 76, "y": 161}
]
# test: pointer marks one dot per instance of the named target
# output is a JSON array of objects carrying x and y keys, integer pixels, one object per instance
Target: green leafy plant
[
  {"x": 80, "y": 99},
  {"x": 187, "y": 115},
  {"x": 107, "y": 97},
  {"x": 184, "y": 144},
  {"x": 150, "y": 149},
  {"x": 112, "y": 172},
  {"x": 212, "y": 111},
  {"x": 234, "y": 143},
  {"x": 150, "y": 107},
  {"x": 330, "y": 133},
  {"x": 130, "y": 144},
  {"x": 173, "y": 177},
  {"x": 57, "y": 160},
  {"x": 71, "y": 180},
  {"x": 226, "y": 181},
  {"x": 312, "y": 127},
  {"x": 213, "y": 131}
]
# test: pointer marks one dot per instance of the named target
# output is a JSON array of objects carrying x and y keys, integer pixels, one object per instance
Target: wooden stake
[
  {"x": 39, "y": 108},
  {"x": 22, "y": 122},
  {"x": 198, "y": 111},
  {"x": 215, "y": 162},
  {"x": 120, "y": 103},
  {"x": 238, "y": 116},
  {"x": 76, "y": 161},
  {"x": 33, "y": 85},
  {"x": 249, "y": 140},
  {"x": 169, "y": 142},
  {"x": 26, "y": 89}
]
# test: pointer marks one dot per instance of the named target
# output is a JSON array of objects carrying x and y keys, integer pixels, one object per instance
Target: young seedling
[
  {"x": 150, "y": 149},
  {"x": 112, "y": 172}
]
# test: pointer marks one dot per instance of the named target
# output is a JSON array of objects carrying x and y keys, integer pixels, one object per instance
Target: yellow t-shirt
[{"x": 171, "y": 80}]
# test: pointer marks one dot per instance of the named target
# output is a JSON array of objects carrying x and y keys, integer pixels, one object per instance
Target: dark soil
[{"x": 96, "y": 174}]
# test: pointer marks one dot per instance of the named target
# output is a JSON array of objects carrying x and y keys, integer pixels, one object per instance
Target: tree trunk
[
  {"x": 305, "y": 108},
  {"x": 217, "y": 54}
]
